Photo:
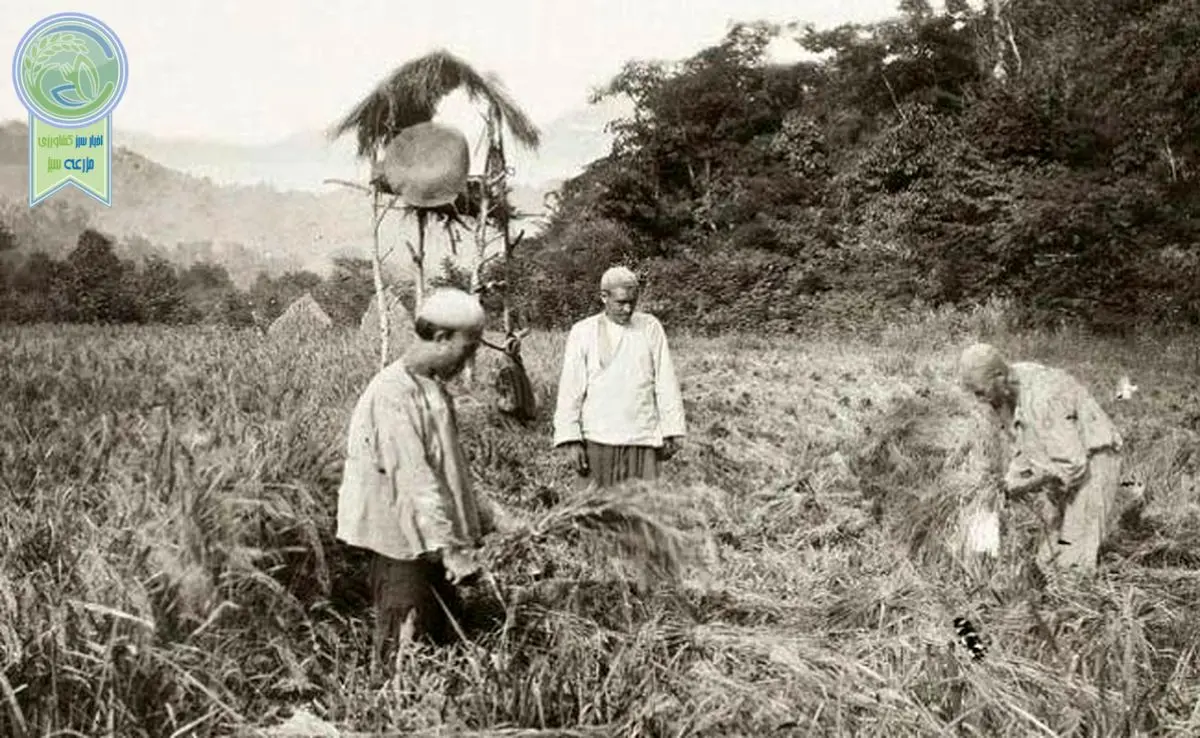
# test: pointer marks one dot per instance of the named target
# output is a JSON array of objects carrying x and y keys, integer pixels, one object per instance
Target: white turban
[
  {"x": 451, "y": 309},
  {"x": 618, "y": 277}
]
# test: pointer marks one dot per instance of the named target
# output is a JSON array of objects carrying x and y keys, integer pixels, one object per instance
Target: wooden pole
[
  {"x": 481, "y": 222},
  {"x": 378, "y": 211},
  {"x": 419, "y": 257},
  {"x": 485, "y": 208},
  {"x": 502, "y": 182},
  {"x": 377, "y": 273}
]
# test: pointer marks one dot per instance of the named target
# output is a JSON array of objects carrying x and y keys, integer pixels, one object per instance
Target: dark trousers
[
  {"x": 612, "y": 465},
  {"x": 399, "y": 587}
]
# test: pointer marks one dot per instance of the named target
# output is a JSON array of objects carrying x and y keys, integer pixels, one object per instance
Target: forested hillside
[
  {"x": 1048, "y": 156},
  {"x": 1036, "y": 151},
  {"x": 245, "y": 229}
]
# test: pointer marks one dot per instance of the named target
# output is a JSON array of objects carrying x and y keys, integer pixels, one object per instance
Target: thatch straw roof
[
  {"x": 303, "y": 319},
  {"x": 400, "y": 322},
  {"x": 412, "y": 92}
]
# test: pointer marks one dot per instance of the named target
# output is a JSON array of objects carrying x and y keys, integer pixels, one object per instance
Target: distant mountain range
[
  {"x": 255, "y": 208},
  {"x": 304, "y": 160}
]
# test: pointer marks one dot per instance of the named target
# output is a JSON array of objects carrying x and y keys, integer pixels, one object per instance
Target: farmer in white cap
[
  {"x": 619, "y": 411},
  {"x": 1063, "y": 449},
  {"x": 406, "y": 493}
]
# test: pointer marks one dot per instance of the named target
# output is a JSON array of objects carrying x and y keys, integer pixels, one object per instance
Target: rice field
[{"x": 168, "y": 566}]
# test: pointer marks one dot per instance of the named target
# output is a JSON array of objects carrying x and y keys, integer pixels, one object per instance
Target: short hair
[
  {"x": 980, "y": 362},
  {"x": 618, "y": 277}
]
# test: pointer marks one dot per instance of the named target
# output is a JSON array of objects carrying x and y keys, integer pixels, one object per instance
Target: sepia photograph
[{"x": 659, "y": 369}]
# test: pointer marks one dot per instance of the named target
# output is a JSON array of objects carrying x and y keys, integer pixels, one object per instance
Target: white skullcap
[
  {"x": 618, "y": 277},
  {"x": 452, "y": 310}
]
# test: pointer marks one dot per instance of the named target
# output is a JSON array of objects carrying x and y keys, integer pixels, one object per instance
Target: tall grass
[{"x": 166, "y": 515}]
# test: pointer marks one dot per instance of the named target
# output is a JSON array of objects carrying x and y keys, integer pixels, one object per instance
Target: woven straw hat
[{"x": 427, "y": 164}]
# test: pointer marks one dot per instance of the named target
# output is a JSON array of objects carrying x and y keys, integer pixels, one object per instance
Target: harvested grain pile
[
  {"x": 303, "y": 319},
  {"x": 400, "y": 323},
  {"x": 645, "y": 533},
  {"x": 930, "y": 466}
]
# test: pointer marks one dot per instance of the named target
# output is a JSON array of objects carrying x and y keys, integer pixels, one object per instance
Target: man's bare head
[
  {"x": 984, "y": 373},
  {"x": 619, "y": 288}
]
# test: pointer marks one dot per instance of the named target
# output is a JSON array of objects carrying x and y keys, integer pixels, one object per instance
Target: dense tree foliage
[
  {"x": 92, "y": 284},
  {"x": 902, "y": 164},
  {"x": 1047, "y": 155}
]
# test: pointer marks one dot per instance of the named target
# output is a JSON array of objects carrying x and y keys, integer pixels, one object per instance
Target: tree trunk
[
  {"x": 999, "y": 70},
  {"x": 1170, "y": 155}
]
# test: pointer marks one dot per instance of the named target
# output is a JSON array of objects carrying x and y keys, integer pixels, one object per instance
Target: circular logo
[{"x": 70, "y": 70}]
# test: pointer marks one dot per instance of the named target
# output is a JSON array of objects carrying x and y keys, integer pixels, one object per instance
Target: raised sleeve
[
  {"x": 572, "y": 389},
  {"x": 667, "y": 396}
]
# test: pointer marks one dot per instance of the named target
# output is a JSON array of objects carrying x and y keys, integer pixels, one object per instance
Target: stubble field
[{"x": 173, "y": 572}]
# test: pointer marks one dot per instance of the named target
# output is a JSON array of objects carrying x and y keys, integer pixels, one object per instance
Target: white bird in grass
[{"x": 1125, "y": 389}]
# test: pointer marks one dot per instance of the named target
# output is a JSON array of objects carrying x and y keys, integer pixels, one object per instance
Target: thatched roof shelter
[
  {"x": 412, "y": 92},
  {"x": 400, "y": 322},
  {"x": 303, "y": 319}
]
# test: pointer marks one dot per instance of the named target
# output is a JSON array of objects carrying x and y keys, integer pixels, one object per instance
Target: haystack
[
  {"x": 400, "y": 324},
  {"x": 931, "y": 469},
  {"x": 304, "y": 318}
]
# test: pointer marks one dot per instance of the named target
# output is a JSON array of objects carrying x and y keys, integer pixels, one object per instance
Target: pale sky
[{"x": 255, "y": 72}]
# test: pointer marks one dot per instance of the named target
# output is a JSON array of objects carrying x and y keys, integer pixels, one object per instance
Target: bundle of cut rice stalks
[
  {"x": 630, "y": 527},
  {"x": 932, "y": 470},
  {"x": 979, "y": 523}
]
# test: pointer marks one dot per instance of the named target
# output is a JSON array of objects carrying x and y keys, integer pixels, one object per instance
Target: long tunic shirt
[
  {"x": 618, "y": 385},
  {"x": 406, "y": 489},
  {"x": 1056, "y": 425}
]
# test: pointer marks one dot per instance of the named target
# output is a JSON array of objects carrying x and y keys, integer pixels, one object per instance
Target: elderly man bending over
[
  {"x": 619, "y": 409},
  {"x": 1062, "y": 447},
  {"x": 406, "y": 492}
]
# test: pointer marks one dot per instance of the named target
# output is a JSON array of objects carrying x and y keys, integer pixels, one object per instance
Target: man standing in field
[
  {"x": 619, "y": 412},
  {"x": 406, "y": 493},
  {"x": 1062, "y": 448}
]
